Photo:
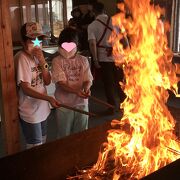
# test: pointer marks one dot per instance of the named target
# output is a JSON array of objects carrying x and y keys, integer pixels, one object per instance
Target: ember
[{"x": 144, "y": 140}]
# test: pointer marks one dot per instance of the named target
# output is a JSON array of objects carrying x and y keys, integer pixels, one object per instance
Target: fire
[{"x": 143, "y": 141}]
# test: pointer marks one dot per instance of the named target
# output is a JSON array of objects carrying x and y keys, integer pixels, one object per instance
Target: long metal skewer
[
  {"x": 101, "y": 102},
  {"x": 77, "y": 110}
]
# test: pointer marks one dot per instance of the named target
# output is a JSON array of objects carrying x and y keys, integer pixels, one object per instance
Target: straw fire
[{"x": 143, "y": 141}]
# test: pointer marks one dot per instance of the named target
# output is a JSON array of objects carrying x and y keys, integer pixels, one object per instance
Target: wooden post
[
  {"x": 51, "y": 17},
  {"x": 65, "y": 13},
  {"x": 8, "y": 101}
]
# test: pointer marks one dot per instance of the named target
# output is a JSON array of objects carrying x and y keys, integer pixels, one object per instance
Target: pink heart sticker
[{"x": 68, "y": 46}]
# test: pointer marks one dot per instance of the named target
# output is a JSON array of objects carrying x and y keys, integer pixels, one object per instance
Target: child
[
  {"x": 73, "y": 79},
  {"x": 32, "y": 75}
]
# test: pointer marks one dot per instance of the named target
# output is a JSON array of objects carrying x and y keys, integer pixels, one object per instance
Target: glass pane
[
  {"x": 57, "y": 14},
  {"x": 43, "y": 15},
  {"x": 69, "y": 9},
  {"x": 28, "y": 10},
  {"x": 33, "y": 16},
  {"x": 47, "y": 18},
  {"x": 40, "y": 14}
]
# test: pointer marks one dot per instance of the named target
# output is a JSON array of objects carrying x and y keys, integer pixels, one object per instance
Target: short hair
[
  {"x": 68, "y": 35},
  {"x": 98, "y": 7}
]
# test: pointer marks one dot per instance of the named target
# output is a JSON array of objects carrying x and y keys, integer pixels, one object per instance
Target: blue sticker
[{"x": 37, "y": 42}]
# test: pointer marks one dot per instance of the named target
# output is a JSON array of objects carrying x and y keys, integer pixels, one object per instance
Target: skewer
[
  {"x": 101, "y": 102},
  {"x": 174, "y": 151},
  {"x": 77, "y": 110}
]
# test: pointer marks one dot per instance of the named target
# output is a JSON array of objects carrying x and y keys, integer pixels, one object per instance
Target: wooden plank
[
  {"x": 171, "y": 171},
  {"x": 55, "y": 160},
  {"x": 9, "y": 112}
]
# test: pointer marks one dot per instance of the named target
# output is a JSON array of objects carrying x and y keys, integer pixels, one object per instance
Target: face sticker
[
  {"x": 37, "y": 42},
  {"x": 68, "y": 46}
]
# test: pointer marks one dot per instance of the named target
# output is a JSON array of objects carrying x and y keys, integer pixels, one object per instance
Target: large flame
[{"x": 143, "y": 141}]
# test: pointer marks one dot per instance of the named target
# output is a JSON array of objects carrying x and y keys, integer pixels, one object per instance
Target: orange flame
[{"x": 139, "y": 144}]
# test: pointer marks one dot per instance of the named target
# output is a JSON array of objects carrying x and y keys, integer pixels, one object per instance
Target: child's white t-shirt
[
  {"x": 75, "y": 72},
  {"x": 31, "y": 110}
]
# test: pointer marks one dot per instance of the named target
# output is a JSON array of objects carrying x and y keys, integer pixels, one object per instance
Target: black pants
[{"x": 111, "y": 76}]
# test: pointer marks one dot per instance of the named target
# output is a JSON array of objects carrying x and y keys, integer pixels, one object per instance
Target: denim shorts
[{"x": 33, "y": 132}]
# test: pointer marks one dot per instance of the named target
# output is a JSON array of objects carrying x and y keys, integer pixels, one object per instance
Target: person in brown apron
[{"x": 99, "y": 32}]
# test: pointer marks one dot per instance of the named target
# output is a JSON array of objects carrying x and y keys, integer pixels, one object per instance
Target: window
[
  {"x": 61, "y": 13},
  {"x": 57, "y": 16},
  {"x": 49, "y": 13},
  {"x": 69, "y": 9}
]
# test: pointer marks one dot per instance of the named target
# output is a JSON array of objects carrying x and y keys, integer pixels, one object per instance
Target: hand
[
  {"x": 87, "y": 92},
  {"x": 97, "y": 65},
  {"x": 54, "y": 103},
  {"x": 82, "y": 94},
  {"x": 37, "y": 52}
]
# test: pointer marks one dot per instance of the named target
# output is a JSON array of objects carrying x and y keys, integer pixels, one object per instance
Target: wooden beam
[
  {"x": 8, "y": 96},
  {"x": 51, "y": 16},
  {"x": 65, "y": 21}
]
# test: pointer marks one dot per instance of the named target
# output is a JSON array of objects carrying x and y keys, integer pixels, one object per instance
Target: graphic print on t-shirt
[
  {"x": 72, "y": 71},
  {"x": 36, "y": 76}
]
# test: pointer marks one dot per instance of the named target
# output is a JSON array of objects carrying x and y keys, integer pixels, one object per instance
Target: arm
[
  {"x": 86, "y": 86},
  {"x": 37, "y": 52},
  {"x": 29, "y": 91},
  {"x": 45, "y": 74},
  {"x": 93, "y": 50},
  {"x": 87, "y": 78},
  {"x": 69, "y": 89}
]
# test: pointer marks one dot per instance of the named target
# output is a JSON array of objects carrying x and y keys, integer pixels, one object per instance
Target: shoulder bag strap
[{"x": 104, "y": 32}]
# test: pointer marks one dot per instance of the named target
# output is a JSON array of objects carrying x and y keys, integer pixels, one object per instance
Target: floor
[{"x": 97, "y": 91}]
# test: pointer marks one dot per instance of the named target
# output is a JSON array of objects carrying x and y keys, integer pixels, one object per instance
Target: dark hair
[
  {"x": 75, "y": 11},
  {"x": 68, "y": 35},
  {"x": 98, "y": 7},
  {"x": 23, "y": 33}
]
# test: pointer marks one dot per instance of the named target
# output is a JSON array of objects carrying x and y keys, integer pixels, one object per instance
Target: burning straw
[{"x": 140, "y": 149}]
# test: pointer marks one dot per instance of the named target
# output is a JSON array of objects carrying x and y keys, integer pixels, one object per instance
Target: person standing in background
[
  {"x": 32, "y": 75},
  {"x": 75, "y": 20},
  {"x": 99, "y": 32},
  {"x": 87, "y": 16}
]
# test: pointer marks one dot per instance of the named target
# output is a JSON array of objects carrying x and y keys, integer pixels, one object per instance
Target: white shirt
[
  {"x": 31, "y": 110},
  {"x": 74, "y": 72},
  {"x": 95, "y": 31}
]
